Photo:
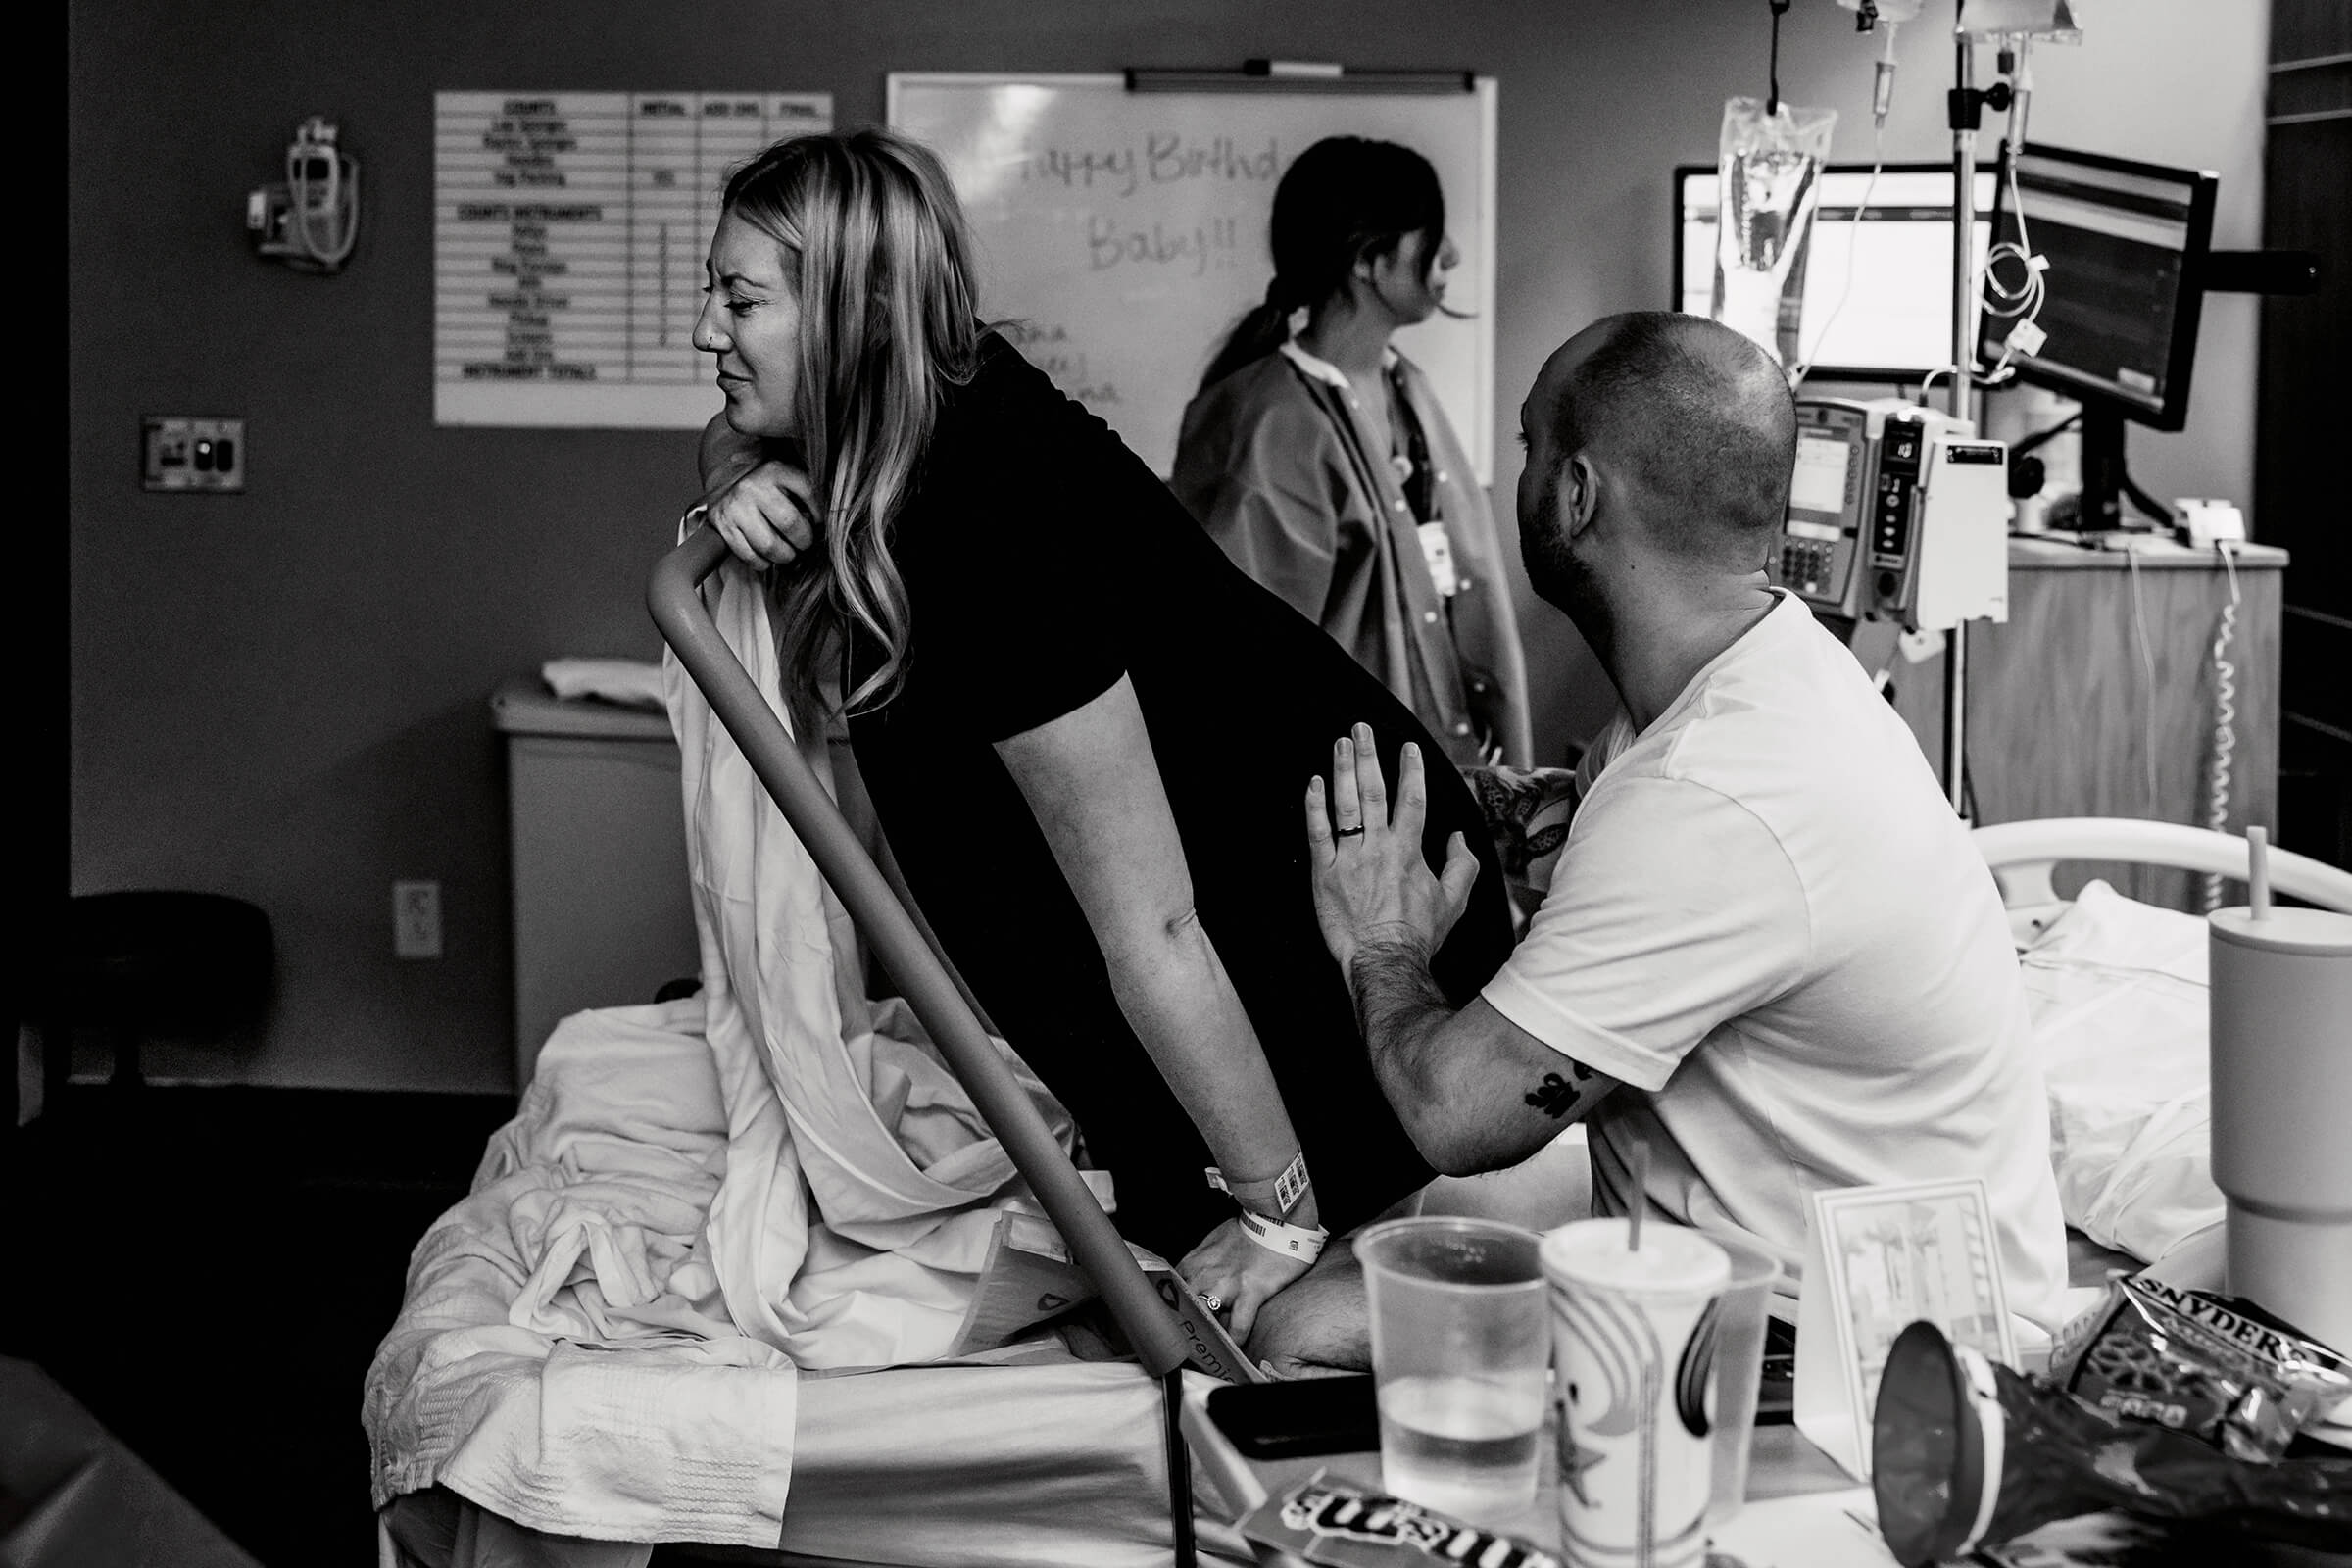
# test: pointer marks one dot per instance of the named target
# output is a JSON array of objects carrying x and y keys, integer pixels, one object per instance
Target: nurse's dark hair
[
  {"x": 1344, "y": 200},
  {"x": 877, "y": 249},
  {"x": 1696, "y": 415}
]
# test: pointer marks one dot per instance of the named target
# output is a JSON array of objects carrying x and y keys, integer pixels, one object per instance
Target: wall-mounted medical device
[
  {"x": 309, "y": 220},
  {"x": 1895, "y": 513},
  {"x": 191, "y": 455},
  {"x": 1837, "y": 443},
  {"x": 1939, "y": 537}
]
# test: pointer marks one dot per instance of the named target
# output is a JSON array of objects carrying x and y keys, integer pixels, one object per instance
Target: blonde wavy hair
[{"x": 876, "y": 248}]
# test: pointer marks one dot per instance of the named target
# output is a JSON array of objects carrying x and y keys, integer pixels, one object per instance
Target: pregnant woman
[{"x": 1085, "y": 733}]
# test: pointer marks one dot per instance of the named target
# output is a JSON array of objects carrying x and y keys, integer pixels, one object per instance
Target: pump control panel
[
  {"x": 1819, "y": 548},
  {"x": 1939, "y": 527}
]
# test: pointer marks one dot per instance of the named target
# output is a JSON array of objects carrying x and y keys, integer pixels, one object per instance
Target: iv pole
[{"x": 1965, "y": 107}]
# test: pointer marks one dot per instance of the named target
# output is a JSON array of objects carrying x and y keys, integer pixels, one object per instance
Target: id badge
[{"x": 1437, "y": 551}]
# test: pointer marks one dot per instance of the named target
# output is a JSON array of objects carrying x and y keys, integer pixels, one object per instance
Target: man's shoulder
[
  {"x": 1662, "y": 828},
  {"x": 1797, "y": 707},
  {"x": 1798, "y": 740}
]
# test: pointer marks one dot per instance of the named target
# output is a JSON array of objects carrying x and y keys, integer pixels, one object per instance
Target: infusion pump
[{"x": 1895, "y": 513}]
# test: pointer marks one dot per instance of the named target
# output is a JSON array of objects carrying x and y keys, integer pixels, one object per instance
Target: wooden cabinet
[{"x": 2096, "y": 696}]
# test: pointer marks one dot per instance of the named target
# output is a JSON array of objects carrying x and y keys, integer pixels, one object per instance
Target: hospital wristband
[
  {"x": 1290, "y": 1186},
  {"x": 1300, "y": 1241}
]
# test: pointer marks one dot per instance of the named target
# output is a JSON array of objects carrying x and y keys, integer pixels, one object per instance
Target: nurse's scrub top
[{"x": 1041, "y": 561}]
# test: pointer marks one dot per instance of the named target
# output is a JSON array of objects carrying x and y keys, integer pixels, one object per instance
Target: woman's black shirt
[{"x": 1041, "y": 561}]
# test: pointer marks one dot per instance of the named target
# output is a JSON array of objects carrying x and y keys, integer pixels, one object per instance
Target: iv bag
[{"x": 1769, "y": 183}]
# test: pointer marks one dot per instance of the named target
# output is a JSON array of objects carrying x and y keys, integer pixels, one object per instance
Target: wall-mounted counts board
[{"x": 568, "y": 236}]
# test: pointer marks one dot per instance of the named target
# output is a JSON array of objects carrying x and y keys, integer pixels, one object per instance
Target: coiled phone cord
[{"x": 2225, "y": 720}]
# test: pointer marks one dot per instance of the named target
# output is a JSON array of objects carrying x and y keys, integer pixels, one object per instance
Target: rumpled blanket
[
  {"x": 629, "y": 682},
  {"x": 2118, "y": 992},
  {"x": 696, "y": 1203}
]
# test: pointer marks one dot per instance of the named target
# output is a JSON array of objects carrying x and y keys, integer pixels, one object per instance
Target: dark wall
[
  {"x": 2306, "y": 342},
  {"x": 281, "y": 695}
]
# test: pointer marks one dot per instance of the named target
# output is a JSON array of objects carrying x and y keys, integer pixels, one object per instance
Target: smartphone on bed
[{"x": 1289, "y": 1420}]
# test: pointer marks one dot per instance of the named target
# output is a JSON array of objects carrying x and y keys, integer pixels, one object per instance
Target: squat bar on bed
[
  {"x": 2022, "y": 855},
  {"x": 1163, "y": 1340}
]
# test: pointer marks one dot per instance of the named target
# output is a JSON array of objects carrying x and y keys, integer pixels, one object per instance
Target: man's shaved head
[{"x": 1687, "y": 413}]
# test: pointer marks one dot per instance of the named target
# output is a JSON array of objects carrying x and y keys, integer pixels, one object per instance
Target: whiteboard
[{"x": 1123, "y": 234}]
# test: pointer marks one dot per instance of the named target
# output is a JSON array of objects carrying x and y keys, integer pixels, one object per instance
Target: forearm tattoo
[
  {"x": 1555, "y": 1096},
  {"x": 1399, "y": 1008}
]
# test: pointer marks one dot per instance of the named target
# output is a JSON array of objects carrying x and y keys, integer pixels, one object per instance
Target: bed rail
[
  {"x": 2022, "y": 853},
  {"x": 1159, "y": 1339}
]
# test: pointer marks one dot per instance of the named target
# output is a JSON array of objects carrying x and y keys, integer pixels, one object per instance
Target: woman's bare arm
[{"x": 1092, "y": 780}]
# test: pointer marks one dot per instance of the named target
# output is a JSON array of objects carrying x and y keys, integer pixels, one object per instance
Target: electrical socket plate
[
  {"x": 179, "y": 453},
  {"x": 417, "y": 919}
]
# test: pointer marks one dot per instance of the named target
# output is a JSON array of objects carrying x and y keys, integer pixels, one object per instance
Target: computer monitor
[
  {"x": 1895, "y": 323},
  {"x": 2127, "y": 246}
]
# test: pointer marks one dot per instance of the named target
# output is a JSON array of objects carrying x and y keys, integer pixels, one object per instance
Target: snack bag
[
  {"x": 2217, "y": 1367},
  {"x": 1967, "y": 1455},
  {"x": 1333, "y": 1521}
]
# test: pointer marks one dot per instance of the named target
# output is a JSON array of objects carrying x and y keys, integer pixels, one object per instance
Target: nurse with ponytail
[{"x": 1321, "y": 464}]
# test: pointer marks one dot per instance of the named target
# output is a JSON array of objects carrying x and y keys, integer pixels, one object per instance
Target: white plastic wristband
[
  {"x": 1300, "y": 1241},
  {"x": 1289, "y": 1186}
]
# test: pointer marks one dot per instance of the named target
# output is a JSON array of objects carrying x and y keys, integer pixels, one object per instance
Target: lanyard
[{"x": 1409, "y": 452}]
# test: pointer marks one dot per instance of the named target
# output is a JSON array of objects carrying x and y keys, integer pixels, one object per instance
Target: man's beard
[{"x": 1558, "y": 578}]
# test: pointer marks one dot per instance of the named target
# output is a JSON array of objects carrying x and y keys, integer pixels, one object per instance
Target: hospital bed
[{"x": 1060, "y": 1460}]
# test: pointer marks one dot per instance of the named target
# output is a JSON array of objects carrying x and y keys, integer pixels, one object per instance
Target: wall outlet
[
  {"x": 417, "y": 919},
  {"x": 176, "y": 453}
]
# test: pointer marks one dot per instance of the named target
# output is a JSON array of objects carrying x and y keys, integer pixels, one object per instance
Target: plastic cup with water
[{"x": 1460, "y": 1344}]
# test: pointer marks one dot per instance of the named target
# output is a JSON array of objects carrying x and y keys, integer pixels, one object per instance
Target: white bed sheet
[
  {"x": 1058, "y": 1463},
  {"x": 511, "y": 1379},
  {"x": 2118, "y": 1000}
]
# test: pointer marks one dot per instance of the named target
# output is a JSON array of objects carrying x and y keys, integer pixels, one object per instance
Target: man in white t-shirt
[{"x": 1769, "y": 949}]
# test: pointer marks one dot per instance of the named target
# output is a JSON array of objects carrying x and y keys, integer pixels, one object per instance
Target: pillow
[{"x": 2118, "y": 996}]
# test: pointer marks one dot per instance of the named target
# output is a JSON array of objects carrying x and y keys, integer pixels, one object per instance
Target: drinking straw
[
  {"x": 1641, "y": 1200},
  {"x": 2258, "y": 873}
]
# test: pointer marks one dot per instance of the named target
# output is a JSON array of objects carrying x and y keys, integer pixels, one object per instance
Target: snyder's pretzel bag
[
  {"x": 2217, "y": 1367},
  {"x": 1966, "y": 1454}
]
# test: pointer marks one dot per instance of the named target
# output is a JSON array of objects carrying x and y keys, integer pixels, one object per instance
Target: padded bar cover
[{"x": 686, "y": 625}]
